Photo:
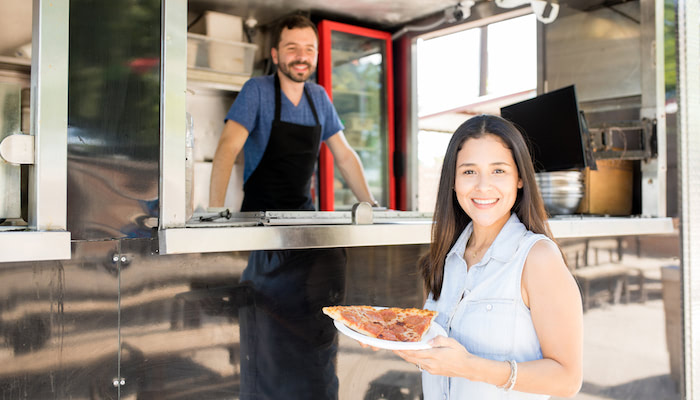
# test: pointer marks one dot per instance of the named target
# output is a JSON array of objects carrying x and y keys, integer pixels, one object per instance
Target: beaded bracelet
[{"x": 508, "y": 386}]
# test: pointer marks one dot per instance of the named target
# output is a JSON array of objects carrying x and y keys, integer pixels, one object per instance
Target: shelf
[
  {"x": 26, "y": 245},
  {"x": 211, "y": 80}
]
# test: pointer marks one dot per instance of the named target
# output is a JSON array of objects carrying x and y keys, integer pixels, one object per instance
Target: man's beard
[{"x": 286, "y": 70}]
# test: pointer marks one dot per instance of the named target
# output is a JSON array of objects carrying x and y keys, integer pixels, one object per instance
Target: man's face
[{"x": 296, "y": 53}]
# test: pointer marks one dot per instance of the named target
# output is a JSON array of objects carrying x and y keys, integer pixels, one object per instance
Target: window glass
[
  {"x": 512, "y": 56},
  {"x": 359, "y": 94},
  {"x": 448, "y": 71},
  {"x": 454, "y": 83}
]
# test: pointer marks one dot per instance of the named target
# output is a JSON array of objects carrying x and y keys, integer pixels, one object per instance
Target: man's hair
[{"x": 295, "y": 21}]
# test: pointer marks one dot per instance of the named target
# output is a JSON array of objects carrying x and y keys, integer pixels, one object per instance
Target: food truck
[{"x": 118, "y": 281}]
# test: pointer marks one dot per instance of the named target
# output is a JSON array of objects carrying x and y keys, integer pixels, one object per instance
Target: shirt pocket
[{"x": 487, "y": 328}]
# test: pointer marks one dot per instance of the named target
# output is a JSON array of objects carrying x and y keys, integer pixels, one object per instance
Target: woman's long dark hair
[{"x": 449, "y": 220}]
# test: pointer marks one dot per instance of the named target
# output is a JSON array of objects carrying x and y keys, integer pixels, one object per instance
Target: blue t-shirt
[{"x": 254, "y": 108}]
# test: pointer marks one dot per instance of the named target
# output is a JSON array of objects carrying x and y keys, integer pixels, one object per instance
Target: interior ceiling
[
  {"x": 390, "y": 15},
  {"x": 387, "y": 14}
]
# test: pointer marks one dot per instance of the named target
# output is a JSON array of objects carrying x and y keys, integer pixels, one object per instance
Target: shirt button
[{"x": 489, "y": 307}]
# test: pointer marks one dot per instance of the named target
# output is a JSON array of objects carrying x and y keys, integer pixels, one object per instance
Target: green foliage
[{"x": 670, "y": 48}]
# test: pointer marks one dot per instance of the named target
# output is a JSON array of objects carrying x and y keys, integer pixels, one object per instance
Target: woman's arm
[{"x": 551, "y": 293}]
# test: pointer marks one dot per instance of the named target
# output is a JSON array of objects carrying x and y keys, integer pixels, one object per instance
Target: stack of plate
[{"x": 562, "y": 191}]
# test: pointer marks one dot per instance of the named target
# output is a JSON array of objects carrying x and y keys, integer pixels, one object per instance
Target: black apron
[
  {"x": 288, "y": 347},
  {"x": 282, "y": 179}
]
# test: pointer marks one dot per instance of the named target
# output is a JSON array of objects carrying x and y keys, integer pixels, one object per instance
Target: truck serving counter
[
  {"x": 111, "y": 287},
  {"x": 292, "y": 230}
]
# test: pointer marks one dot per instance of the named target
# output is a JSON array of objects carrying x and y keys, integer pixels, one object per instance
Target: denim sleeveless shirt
[{"x": 483, "y": 310}]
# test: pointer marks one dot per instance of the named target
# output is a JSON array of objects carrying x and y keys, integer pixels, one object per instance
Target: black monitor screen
[{"x": 551, "y": 124}]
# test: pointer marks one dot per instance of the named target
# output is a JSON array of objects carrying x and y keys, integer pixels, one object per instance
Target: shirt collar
[
  {"x": 502, "y": 248},
  {"x": 460, "y": 245}
]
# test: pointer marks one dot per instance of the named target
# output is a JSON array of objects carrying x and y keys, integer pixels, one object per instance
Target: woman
[{"x": 501, "y": 286}]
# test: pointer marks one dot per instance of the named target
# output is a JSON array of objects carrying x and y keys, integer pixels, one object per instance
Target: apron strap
[{"x": 278, "y": 100}]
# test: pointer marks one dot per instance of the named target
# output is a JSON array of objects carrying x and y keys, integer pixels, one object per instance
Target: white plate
[{"x": 435, "y": 330}]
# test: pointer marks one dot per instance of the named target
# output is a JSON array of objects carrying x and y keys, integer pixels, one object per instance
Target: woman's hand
[{"x": 447, "y": 357}]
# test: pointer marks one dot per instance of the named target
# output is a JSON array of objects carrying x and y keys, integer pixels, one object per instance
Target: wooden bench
[{"x": 617, "y": 275}]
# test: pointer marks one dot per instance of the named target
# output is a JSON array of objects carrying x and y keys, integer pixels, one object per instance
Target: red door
[{"x": 355, "y": 68}]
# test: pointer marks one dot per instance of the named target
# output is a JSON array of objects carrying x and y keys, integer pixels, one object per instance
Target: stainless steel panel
[
  {"x": 180, "y": 326},
  {"x": 46, "y": 197},
  {"x": 174, "y": 85},
  {"x": 10, "y": 123},
  {"x": 653, "y": 171},
  {"x": 579, "y": 226},
  {"x": 113, "y": 119},
  {"x": 59, "y": 321},
  {"x": 384, "y": 276},
  {"x": 179, "y": 329},
  {"x": 195, "y": 240},
  {"x": 593, "y": 49},
  {"x": 49, "y": 97},
  {"x": 214, "y": 239},
  {"x": 688, "y": 45}
]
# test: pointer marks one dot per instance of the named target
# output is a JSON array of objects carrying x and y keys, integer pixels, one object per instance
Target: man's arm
[
  {"x": 231, "y": 142},
  {"x": 350, "y": 167}
]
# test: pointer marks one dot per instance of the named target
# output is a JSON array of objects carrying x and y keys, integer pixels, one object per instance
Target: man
[
  {"x": 288, "y": 347},
  {"x": 281, "y": 135}
]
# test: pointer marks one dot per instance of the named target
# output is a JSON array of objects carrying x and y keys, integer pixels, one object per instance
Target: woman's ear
[{"x": 520, "y": 183}]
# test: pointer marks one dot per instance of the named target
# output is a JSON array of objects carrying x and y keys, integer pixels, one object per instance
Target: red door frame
[{"x": 326, "y": 193}]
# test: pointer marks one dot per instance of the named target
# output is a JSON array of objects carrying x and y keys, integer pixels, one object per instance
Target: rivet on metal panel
[
  {"x": 115, "y": 258},
  {"x": 115, "y": 382},
  {"x": 122, "y": 382},
  {"x": 123, "y": 259}
]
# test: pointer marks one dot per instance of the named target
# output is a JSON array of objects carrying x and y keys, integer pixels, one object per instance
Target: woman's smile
[{"x": 484, "y": 203}]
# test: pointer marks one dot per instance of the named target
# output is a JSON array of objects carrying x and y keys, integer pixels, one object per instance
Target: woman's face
[{"x": 486, "y": 180}]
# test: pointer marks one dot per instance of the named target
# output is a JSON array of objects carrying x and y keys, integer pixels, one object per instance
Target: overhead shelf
[{"x": 197, "y": 78}]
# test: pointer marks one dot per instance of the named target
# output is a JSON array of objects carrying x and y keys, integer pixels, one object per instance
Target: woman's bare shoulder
[{"x": 544, "y": 256}]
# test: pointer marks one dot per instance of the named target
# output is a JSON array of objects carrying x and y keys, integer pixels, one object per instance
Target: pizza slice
[{"x": 393, "y": 323}]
